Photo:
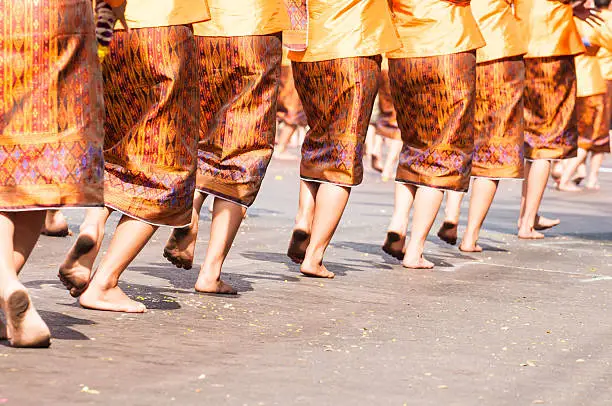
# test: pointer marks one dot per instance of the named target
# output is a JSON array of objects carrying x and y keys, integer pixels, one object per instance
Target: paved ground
[{"x": 524, "y": 323}]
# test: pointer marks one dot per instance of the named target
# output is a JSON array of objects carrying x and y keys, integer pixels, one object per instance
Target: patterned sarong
[
  {"x": 152, "y": 119},
  {"x": 338, "y": 97},
  {"x": 51, "y": 107},
  {"x": 498, "y": 121},
  {"x": 239, "y": 82},
  {"x": 550, "y": 98},
  {"x": 434, "y": 99},
  {"x": 590, "y": 112}
]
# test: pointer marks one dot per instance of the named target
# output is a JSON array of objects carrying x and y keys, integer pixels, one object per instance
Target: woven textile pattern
[
  {"x": 590, "y": 111},
  {"x": 498, "y": 120},
  {"x": 152, "y": 120},
  {"x": 239, "y": 82},
  {"x": 296, "y": 38},
  {"x": 338, "y": 97},
  {"x": 550, "y": 97},
  {"x": 601, "y": 143},
  {"x": 51, "y": 107},
  {"x": 434, "y": 99}
]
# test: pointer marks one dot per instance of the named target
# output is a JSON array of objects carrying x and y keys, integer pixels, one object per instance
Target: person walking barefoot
[
  {"x": 151, "y": 93},
  {"x": 433, "y": 84},
  {"x": 238, "y": 125},
  {"x": 60, "y": 144},
  {"x": 337, "y": 86},
  {"x": 499, "y": 123},
  {"x": 550, "y": 99}
]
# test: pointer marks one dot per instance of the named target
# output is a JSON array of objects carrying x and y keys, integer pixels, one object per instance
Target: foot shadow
[
  {"x": 60, "y": 326},
  {"x": 273, "y": 257},
  {"x": 370, "y": 249}
]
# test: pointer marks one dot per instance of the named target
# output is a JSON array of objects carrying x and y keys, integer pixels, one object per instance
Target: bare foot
[
  {"x": 417, "y": 263},
  {"x": 25, "y": 327},
  {"x": 216, "y": 286},
  {"x": 180, "y": 247},
  {"x": 112, "y": 300},
  {"x": 73, "y": 274},
  {"x": 469, "y": 247},
  {"x": 543, "y": 223},
  {"x": 318, "y": 271},
  {"x": 394, "y": 245},
  {"x": 568, "y": 187},
  {"x": 529, "y": 234},
  {"x": 448, "y": 232},
  {"x": 55, "y": 224},
  {"x": 297, "y": 246}
]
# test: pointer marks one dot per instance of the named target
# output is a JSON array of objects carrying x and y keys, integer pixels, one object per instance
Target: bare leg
[
  {"x": 483, "y": 192},
  {"x": 330, "y": 203},
  {"x": 24, "y": 242},
  {"x": 180, "y": 247},
  {"x": 395, "y": 241},
  {"x": 226, "y": 220},
  {"x": 103, "y": 292},
  {"x": 596, "y": 160},
  {"x": 284, "y": 137},
  {"x": 25, "y": 327},
  {"x": 75, "y": 271},
  {"x": 55, "y": 224},
  {"x": 426, "y": 205},
  {"x": 377, "y": 153},
  {"x": 300, "y": 237},
  {"x": 565, "y": 182},
  {"x": 536, "y": 176},
  {"x": 393, "y": 153},
  {"x": 452, "y": 211}
]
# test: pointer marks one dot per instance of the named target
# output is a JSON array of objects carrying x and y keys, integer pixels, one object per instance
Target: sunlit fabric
[
  {"x": 163, "y": 13},
  {"x": 498, "y": 119},
  {"x": 435, "y": 98},
  {"x": 504, "y": 25},
  {"x": 347, "y": 28},
  {"x": 239, "y": 81},
  {"x": 550, "y": 100},
  {"x": 434, "y": 27},
  {"x": 338, "y": 97},
  {"x": 230, "y": 18},
  {"x": 591, "y": 112},
  {"x": 151, "y": 93},
  {"x": 552, "y": 30},
  {"x": 51, "y": 106}
]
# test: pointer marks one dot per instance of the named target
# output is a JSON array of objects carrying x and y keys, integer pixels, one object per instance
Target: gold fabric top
[
  {"x": 164, "y": 13},
  {"x": 590, "y": 80},
  {"x": 605, "y": 63},
  {"x": 434, "y": 27},
  {"x": 347, "y": 28},
  {"x": 234, "y": 18},
  {"x": 504, "y": 26},
  {"x": 552, "y": 30}
]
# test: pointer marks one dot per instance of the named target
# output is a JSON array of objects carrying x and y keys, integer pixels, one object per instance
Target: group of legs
[{"x": 525, "y": 114}]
